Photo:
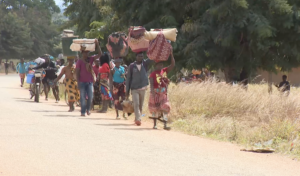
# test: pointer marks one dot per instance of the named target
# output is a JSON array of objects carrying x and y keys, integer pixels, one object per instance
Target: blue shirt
[
  {"x": 118, "y": 78},
  {"x": 21, "y": 68}
]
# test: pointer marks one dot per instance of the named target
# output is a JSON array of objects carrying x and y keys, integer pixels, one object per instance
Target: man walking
[
  {"x": 21, "y": 70},
  {"x": 137, "y": 82},
  {"x": 86, "y": 77}
]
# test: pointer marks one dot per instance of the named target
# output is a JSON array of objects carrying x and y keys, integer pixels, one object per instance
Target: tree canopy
[
  {"x": 219, "y": 34},
  {"x": 26, "y": 28}
]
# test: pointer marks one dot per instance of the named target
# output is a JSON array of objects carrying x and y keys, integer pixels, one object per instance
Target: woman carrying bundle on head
[
  {"x": 159, "y": 106},
  {"x": 104, "y": 77},
  {"x": 118, "y": 86}
]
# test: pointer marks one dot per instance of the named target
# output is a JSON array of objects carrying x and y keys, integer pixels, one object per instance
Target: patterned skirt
[
  {"x": 119, "y": 94},
  {"x": 97, "y": 94},
  {"x": 159, "y": 102},
  {"x": 72, "y": 89}
]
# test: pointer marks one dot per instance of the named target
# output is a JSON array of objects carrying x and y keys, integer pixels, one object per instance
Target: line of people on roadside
[{"x": 95, "y": 75}]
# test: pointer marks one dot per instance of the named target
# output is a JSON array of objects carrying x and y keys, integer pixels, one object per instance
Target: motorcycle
[{"x": 36, "y": 88}]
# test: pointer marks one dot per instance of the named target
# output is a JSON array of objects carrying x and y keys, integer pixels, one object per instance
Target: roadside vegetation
[{"x": 251, "y": 118}]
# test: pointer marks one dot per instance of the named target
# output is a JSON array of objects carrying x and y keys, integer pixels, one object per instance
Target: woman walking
[
  {"x": 118, "y": 86},
  {"x": 104, "y": 77},
  {"x": 159, "y": 105}
]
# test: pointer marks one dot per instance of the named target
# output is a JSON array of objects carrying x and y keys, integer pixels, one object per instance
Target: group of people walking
[
  {"x": 116, "y": 83},
  {"x": 94, "y": 79}
]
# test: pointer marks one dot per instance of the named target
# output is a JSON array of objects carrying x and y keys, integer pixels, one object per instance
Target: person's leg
[
  {"x": 142, "y": 94},
  {"x": 57, "y": 92},
  {"x": 89, "y": 90},
  {"x": 82, "y": 97},
  {"x": 46, "y": 90},
  {"x": 136, "y": 104}
]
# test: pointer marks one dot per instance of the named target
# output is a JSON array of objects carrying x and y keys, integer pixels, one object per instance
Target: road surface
[{"x": 42, "y": 139}]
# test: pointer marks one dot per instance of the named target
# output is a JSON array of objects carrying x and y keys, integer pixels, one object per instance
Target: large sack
[
  {"x": 159, "y": 48},
  {"x": 136, "y": 39},
  {"x": 169, "y": 34},
  {"x": 117, "y": 45}
]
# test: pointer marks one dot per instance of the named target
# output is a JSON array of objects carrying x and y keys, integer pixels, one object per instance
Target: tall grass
[{"x": 224, "y": 112}]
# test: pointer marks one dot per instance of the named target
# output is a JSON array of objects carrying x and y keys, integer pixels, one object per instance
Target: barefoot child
[{"x": 71, "y": 83}]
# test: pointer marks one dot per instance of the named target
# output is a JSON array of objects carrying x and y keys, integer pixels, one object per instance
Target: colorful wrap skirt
[
  {"x": 119, "y": 94},
  {"x": 159, "y": 102}
]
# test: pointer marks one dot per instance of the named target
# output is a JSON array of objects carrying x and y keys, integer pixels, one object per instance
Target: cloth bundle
[
  {"x": 117, "y": 45},
  {"x": 88, "y": 44},
  {"x": 136, "y": 39},
  {"x": 170, "y": 34},
  {"x": 159, "y": 48},
  {"x": 127, "y": 106}
]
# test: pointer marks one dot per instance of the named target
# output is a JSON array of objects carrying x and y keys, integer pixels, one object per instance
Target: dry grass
[{"x": 251, "y": 118}]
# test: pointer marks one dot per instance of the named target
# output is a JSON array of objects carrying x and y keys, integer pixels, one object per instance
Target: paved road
[{"x": 43, "y": 139}]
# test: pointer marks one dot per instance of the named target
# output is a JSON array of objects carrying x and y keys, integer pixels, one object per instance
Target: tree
[
  {"x": 242, "y": 34},
  {"x": 15, "y": 36},
  {"x": 232, "y": 35},
  {"x": 28, "y": 18}
]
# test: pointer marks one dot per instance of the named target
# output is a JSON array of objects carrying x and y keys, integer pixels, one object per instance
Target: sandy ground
[{"x": 43, "y": 139}]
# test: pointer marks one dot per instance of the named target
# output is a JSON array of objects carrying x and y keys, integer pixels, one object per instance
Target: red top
[
  {"x": 157, "y": 75},
  {"x": 96, "y": 69},
  {"x": 104, "y": 69}
]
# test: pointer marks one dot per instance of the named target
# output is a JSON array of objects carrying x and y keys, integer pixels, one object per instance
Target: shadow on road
[
  {"x": 116, "y": 124},
  {"x": 27, "y": 101},
  {"x": 47, "y": 111},
  {"x": 59, "y": 115},
  {"x": 10, "y": 88},
  {"x": 96, "y": 119},
  {"x": 136, "y": 129},
  {"x": 61, "y": 105}
]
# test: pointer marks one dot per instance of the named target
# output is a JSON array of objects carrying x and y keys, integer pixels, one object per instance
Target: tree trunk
[{"x": 230, "y": 74}]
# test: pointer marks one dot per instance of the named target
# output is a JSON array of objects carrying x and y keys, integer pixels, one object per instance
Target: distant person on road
[
  {"x": 137, "y": 82},
  {"x": 284, "y": 86},
  {"x": 159, "y": 105},
  {"x": 104, "y": 77},
  {"x": 6, "y": 66},
  {"x": 48, "y": 80},
  {"x": 86, "y": 78},
  {"x": 71, "y": 83},
  {"x": 21, "y": 70}
]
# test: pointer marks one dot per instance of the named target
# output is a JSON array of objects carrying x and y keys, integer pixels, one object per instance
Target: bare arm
[
  {"x": 77, "y": 74},
  {"x": 170, "y": 68}
]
